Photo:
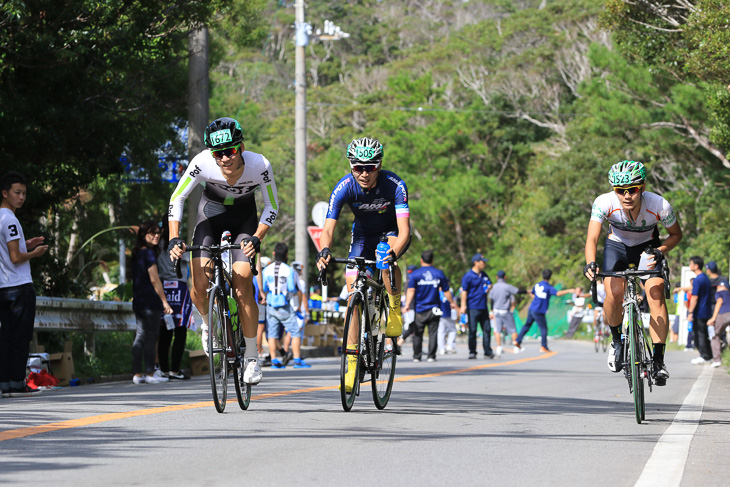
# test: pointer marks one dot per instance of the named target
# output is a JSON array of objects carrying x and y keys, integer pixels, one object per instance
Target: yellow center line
[{"x": 102, "y": 418}]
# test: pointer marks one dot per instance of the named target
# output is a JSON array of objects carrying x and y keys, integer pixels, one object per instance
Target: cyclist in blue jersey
[{"x": 379, "y": 201}]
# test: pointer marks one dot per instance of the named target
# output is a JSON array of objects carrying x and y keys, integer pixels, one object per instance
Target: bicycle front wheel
[
  {"x": 243, "y": 390},
  {"x": 217, "y": 346},
  {"x": 637, "y": 379},
  {"x": 351, "y": 354},
  {"x": 605, "y": 337}
]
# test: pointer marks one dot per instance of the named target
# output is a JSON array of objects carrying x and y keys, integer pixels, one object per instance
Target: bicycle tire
[
  {"x": 384, "y": 374},
  {"x": 243, "y": 390},
  {"x": 637, "y": 380},
  {"x": 354, "y": 309},
  {"x": 597, "y": 338},
  {"x": 217, "y": 358},
  {"x": 605, "y": 338}
]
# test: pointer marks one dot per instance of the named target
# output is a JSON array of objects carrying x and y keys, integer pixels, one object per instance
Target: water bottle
[
  {"x": 233, "y": 308},
  {"x": 381, "y": 253},
  {"x": 226, "y": 239},
  {"x": 169, "y": 323}
]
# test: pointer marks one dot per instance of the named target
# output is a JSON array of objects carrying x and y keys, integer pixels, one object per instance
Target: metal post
[
  {"x": 197, "y": 110},
  {"x": 300, "y": 147}
]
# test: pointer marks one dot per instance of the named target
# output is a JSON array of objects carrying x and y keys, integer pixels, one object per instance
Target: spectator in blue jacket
[
  {"x": 542, "y": 292},
  {"x": 700, "y": 309},
  {"x": 424, "y": 285},
  {"x": 475, "y": 285}
]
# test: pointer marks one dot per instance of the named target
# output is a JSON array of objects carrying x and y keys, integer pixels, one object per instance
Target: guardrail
[{"x": 61, "y": 314}]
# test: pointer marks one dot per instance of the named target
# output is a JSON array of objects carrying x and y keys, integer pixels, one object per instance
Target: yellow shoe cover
[
  {"x": 394, "y": 327},
  {"x": 351, "y": 366}
]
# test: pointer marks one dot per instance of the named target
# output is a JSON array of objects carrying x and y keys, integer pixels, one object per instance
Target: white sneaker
[
  {"x": 431, "y": 360},
  {"x": 442, "y": 351},
  {"x": 516, "y": 349},
  {"x": 138, "y": 380},
  {"x": 716, "y": 364},
  {"x": 151, "y": 379},
  {"x": 499, "y": 352},
  {"x": 252, "y": 375},
  {"x": 450, "y": 350},
  {"x": 698, "y": 361},
  {"x": 158, "y": 373}
]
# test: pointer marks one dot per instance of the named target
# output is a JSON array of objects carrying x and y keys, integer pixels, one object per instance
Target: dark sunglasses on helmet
[
  {"x": 368, "y": 168},
  {"x": 629, "y": 189},
  {"x": 218, "y": 154}
]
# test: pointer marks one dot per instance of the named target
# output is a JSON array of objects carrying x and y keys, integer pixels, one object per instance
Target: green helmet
[
  {"x": 625, "y": 173},
  {"x": 365, "y": 150}
]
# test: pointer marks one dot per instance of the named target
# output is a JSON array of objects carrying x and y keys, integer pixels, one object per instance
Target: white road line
[{"x": 666, "y": 464}]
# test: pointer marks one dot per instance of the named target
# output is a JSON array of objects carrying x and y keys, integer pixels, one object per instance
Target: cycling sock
[
  {"x": 659, "y": 353},
  {"x": 616, "y": 334},
  {"x": 251, "y": 349},
  {"x": 394, "y": 300},
  {"x": 205, "y": 318}
]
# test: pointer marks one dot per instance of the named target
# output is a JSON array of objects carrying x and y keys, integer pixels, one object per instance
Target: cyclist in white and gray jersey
[
  {"x": 633, "y": 216},
  {"x": 230, "y": 176}
]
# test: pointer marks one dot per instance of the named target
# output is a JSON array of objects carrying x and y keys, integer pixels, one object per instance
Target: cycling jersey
[
  {"x": 376, "y": 209},
  {"x": 623, "y": 229},
  {"x": 257, "y": 173}
]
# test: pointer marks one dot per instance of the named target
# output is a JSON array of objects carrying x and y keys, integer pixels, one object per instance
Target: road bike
[
  {"x": 226, "y": 343},
  {"x": 602, "y": 333},
  {"x": 637, "y": 356},
  {"x": 367, "y": 314}
]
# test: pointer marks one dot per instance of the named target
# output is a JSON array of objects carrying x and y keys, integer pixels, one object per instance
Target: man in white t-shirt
[{"x": 17, "y": 295}]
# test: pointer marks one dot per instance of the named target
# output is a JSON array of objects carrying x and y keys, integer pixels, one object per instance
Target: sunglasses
[
  {"x": 368, "y": 168},
  {"x": 630, "y": 189},
  {"x": 218, "y": 154}
]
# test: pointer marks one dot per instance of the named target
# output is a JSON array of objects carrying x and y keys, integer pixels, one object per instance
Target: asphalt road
[{"x": 527, "y": 419}]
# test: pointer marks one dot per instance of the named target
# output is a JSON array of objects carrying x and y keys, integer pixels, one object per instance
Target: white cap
[{"x": 265, "y": 261}]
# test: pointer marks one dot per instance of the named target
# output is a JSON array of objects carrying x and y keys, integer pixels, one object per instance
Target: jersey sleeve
[
  {"x": 411, "y": 282},
  {"x": 600, "y": 209},
  {"x": 445, "y": 283},
  {"x": 338, "y": 198},
  {"x": 268, "y": 191},
  {"x": 401, "y": 200},
  {"x": 666, "y": 214},
  {"x": 11, "y": 230},
  {"x": 188, "y": 182}
]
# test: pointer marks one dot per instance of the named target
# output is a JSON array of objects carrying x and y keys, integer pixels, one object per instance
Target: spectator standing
[
  {"x": 700, "y": 308},
  {"x": 148, "y": 302},
  {"x": 288, "y": 354},
  {"x": 502, "y": 298},
  {"x": 423, "y": 288},
  {"x": 447, "y": 325},
  {"x": 542, "y": 292},
  {"x": 719, "y": 321},
  {"x": 475, "y": 285},
  {"x": 178, "y": 297},
  {"x": 17, "y": 294},
  {"x": 281, "y": 283},
  {"x": 713, "y": 273}
]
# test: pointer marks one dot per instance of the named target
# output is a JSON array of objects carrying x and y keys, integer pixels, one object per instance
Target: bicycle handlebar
[
  {"x": 215, "y": 249},
  {"x": 359, "y": 262},
  {"x": 663, "y": 272}
]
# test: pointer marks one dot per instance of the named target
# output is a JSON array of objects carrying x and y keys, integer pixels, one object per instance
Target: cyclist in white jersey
[
  {"x": 230, "y": 176},
  {"x": 633, "y": 216}
]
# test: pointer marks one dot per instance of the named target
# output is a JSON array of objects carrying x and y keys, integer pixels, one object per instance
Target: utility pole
[
  {"x": 303, "y": 33},
  {"x": 197, "y": 110},
  {"x": 301, "y": 238}
]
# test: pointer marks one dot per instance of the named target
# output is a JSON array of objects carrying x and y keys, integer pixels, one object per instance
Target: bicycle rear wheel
[
  {"x": 243, "y": 390},
  {"x": 605, "y": 337},
  {"x": 382, "y": 378},
  {"x": 637, "y": 364},
  {"x": 217, "y": 346},
  {"x": 351, "y": 354}
]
